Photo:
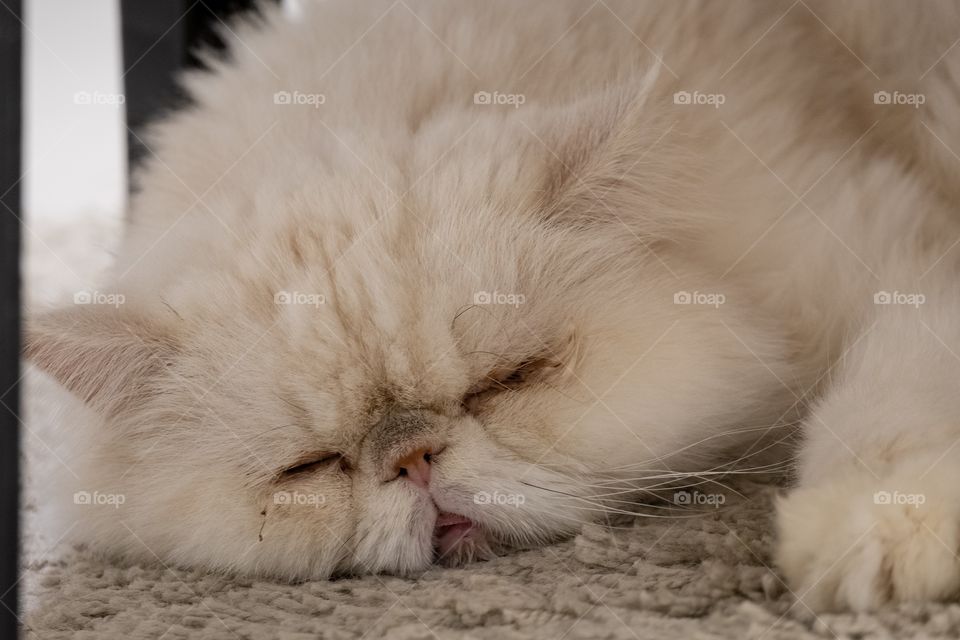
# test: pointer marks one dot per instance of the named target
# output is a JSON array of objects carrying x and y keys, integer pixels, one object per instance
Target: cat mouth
[{"x": 451, "y": 532}]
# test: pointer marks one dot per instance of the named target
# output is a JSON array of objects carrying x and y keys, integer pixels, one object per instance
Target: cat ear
[
  {"x": 105, "y": 355},
  {"x": 616, "y": 158}
]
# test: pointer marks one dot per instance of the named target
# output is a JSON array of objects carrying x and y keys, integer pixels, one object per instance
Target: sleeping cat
[{"x": 427, "y": 281}]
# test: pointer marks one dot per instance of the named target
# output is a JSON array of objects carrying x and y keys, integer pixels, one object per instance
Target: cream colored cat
[{"x": 421, "y": 281}]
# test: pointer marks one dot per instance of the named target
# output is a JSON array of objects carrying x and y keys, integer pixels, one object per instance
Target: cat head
[{"x": 434, "y": 352}]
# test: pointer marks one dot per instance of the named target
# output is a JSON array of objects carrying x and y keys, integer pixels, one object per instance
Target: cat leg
[{"x": 876, "y": 515}]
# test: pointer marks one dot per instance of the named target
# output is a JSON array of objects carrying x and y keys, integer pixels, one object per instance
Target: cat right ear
[{"x": 104, "y": 355}]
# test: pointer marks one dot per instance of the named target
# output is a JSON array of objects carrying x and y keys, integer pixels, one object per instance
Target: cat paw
[{"x": 858, "y": 544}]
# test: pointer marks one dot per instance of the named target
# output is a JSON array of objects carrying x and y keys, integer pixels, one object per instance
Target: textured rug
[{"x": 699, "y": 577}]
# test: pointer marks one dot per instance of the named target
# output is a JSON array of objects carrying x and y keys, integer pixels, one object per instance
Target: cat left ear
[
  {"x": 106, "y": 356},
  {"x": 615, "y": 157}
]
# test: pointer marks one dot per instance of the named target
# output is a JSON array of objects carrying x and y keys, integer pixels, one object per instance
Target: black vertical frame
[
  {"x": 10, "y": 154},
  {"x": 154, "y": 41}
]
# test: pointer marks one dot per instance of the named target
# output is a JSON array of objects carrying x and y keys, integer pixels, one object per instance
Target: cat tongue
[
  {"x": 450, "y": 532},
  {"x": 450, "y": 519}
]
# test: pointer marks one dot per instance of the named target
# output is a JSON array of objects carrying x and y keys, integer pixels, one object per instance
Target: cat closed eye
[
  {"x": 505, "y": 379},
  {"x": 314, "y": 462}
]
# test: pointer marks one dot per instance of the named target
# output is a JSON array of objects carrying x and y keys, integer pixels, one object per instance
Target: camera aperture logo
[
  {"x": 299, "y": 298},
  {"x": 699, "y": 297},
  {"x": 698, "y": 98},
  {"x": 896, "y": 498},
  {"x": 298, "y": 499},
  {"x": 299, "y": 98},
  {"x": 498, "y": 297},
  {"x": 501, "y": 99},
  {"x": 897, "y": 98},
  {"x": 899, "y": 298},
  {"x": 99, "y": 297},
  {"x": 99, "y": 98},
  {"x": 97, "y": 499},
  {"x": 500, "y": 499},
  {"x": 691, "y": 498}
]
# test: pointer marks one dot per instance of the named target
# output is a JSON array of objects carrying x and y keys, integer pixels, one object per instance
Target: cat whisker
[
  {"x": 708, "y": 439},
  {"x": 601, "y": 507}
]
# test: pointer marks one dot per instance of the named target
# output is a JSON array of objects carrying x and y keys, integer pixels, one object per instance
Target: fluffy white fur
[{"x": 598, "y": 199}]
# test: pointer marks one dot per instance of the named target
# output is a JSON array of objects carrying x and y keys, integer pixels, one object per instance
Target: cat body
[{"x": 434, "y": 280}]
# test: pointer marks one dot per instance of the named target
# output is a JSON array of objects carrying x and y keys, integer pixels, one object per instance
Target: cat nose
[{"x": 415, "y": 465}]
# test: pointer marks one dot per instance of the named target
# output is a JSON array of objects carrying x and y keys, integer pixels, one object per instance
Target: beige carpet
[{"x": 703, "y": 577}]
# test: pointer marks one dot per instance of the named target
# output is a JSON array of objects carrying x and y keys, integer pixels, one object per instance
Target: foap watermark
[
  {"x": 99, "y": 98},
  {"x": 898, "y": 98},
  {"x": 899, "y": 298},
  {"x": 299, "y": 297},
  {"x": 502, "y": 99},
  {"x": 314, "y": 100},
  {"x": 699, "y": 297},
  {"x": 698, "y": 98},
  {"x": 497, "y": 297},
  {"x": 696, "y": 498},
  {"x": 896, "y": 498},
  {"x": 500, "y": 499},
  {"x": 99, "y": 297},
  {"x": 97, "y": 499},
  {"x": 299, "y": 499}
]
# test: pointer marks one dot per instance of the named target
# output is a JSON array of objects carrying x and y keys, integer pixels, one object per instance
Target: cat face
[{"x": 372, "y": 378}]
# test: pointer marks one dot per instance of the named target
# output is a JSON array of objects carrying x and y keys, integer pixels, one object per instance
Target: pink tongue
[
  {"x": 451, "y": 530},
  {"x": 448, "y": 519}
]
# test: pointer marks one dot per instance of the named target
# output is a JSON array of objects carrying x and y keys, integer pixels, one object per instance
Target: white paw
[{"x": 858, "y": 543}]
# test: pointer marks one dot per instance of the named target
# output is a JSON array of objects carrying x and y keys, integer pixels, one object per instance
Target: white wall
[{"x": 74, "y": 152}]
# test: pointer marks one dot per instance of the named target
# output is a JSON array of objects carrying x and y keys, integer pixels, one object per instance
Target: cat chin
[
  {"x": 465, "y": 546},
  {"x": 448, "y": 540}
]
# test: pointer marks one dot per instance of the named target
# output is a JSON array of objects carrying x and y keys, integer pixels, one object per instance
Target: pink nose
[{"x": 415, "y": 466}]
